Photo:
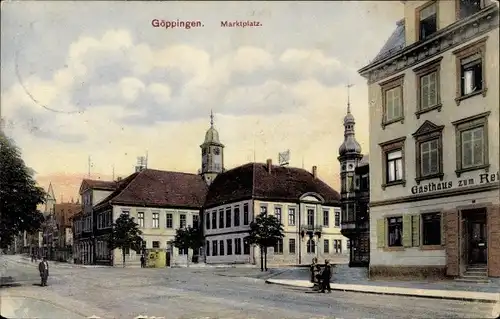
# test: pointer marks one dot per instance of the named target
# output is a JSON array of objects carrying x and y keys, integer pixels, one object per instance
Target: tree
[
  {"x": 19, "y": 194},
  {"x": 125, "y": 235},
  {"x": 188, "y": 238},
  {"x": 265, "y": 231}
]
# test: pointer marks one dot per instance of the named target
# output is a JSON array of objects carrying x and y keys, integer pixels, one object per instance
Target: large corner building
[{"x": 434, "y": 141}]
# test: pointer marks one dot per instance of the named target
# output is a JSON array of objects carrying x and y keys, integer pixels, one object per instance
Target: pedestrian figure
[
  {"x": 143, "y": 262},
  {"x": 312, "y": 268},
  {"x": 326, "y": 275},
  {"x": 32, "y": 258},
  {"x": 43, "y": 268}
]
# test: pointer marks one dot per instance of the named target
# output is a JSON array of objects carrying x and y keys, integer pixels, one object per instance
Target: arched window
[{"x": 311, "y": 246}]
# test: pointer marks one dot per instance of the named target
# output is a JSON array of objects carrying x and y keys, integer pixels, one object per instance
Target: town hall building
[{"x": 221, "y": 202}]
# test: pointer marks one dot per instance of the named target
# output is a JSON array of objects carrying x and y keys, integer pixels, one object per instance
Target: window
[
  {"x": 214, "y": 248},
  {"x": 221, "y": 247},
  {"x": 395, "y": 231},
  {"x": 428, "y": 87},
  {"x": 428, "y": 143},
  {"x": 182, "y": 220},
  {"x": 326, "y": 218},
  {"x": 263, "y": 210},
  {"x": 237, "y": 246},
  {"x": 337, "y": 245},
  {"x": 208, "y": 248},
  {"x": 229, "y": 243},
  {"x": 337, "y": 219},
  {"x": 156, "y": 244},
  {"x": 156, "y": 220},
  {"x": 140, "y": 219},
  {"x": 228, "y": 217},
  {"x": 246, "y": 248},
  {"x": 277, "y": 213},
  {"x": 236, "y": 216},
  {"x": 326, "y": 246},
  {"x": 278, "y": 248},
  {"x": 311, "y": 245},
  {"x": 431, "y": 229},
  {"x": 245, "y": 214},
  {"x": 125, "y": 212},
  {"x": 393, "y": 167},
  {"x": 310, "y": 217},
  {"x": 291, "y": 216},
  {"x": 221, "y": 218},
  {"x": 429, "y": 157},
  {"x": 291, "y": 245},
  {"x": 196, "y": 221},
  {"x": 470, "y": 70},
  {"x": 348, "y": 244},
  {"x": 207, "y": 220},
  {"x": 467, "y": 8},
  {"x": 214, "y": 219},
  {"x": 472, "y": 143},
  {"x": 392, "y": 101},
  {"x": 365, "y": 183},
  {"x": 427, "y": 20},
  {"x": 169, "y": 221},
  {"x": 349, "y": 186}
]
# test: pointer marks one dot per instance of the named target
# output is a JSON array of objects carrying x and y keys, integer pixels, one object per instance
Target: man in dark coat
[
  {"x": 43, "y": 268},
  {"x": 326, "y": 276}
]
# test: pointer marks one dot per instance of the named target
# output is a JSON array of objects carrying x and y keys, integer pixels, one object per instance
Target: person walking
[
  {"x": 143, "y": 262},
  {"x": 43, "y": 268},
  {"x": 312, "y": 269},
  {"x": 326, "y": 275}
]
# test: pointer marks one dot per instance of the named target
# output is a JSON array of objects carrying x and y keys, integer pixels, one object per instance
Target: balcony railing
[{"x": 311, "y": 228}]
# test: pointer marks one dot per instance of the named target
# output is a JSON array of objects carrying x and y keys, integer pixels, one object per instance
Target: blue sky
[{"x": 95, "y": 78}]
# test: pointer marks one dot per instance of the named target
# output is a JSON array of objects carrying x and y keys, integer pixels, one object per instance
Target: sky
[{"x": 96, "y": 79}]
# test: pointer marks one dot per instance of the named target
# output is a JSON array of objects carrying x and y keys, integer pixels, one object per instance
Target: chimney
[
  {"x": 315, "y": 171},
  {"x": 269, "y": 165}
]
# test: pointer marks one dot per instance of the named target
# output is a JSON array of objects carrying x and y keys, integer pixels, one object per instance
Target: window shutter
[
  {"x": 381, "y": 233},
  {"x": 443, "y": 230},
  {"x": 407, "y": 230},
  {"x": 415, "y": 220}
]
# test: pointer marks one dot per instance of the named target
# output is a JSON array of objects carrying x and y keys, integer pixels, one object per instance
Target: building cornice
[{"x": 445, "y": 39}]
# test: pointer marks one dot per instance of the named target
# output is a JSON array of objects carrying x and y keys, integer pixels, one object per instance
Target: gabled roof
[
  {"x": 97, "y": 185},
  {"x": 253, "y": 180},
  {"x": 155, "y": 188}
]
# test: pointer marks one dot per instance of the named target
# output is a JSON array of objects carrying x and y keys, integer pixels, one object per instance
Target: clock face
[{"x": 216, "y": 151}]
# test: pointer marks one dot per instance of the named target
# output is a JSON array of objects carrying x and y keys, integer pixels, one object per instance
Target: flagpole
[{"x": 89, "y": 164}]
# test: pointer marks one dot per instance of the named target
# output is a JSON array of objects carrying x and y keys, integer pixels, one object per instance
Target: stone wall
[{"x": 494, "y": 241}]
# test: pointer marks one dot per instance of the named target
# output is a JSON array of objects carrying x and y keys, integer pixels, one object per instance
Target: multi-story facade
[
  {"x": 308, "y": 209},
  {"x": 160, "y": 203},
  {"x": 355, "y": 222},
  {"x": 434, "y": 113},
  {"x": 64, "y": 235},
  {"x": 92, "y": 192}
]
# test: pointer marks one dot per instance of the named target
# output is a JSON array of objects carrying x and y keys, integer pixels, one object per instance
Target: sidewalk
[
  {"x": 387, "y": 290},
  {"x": 27, "y": 260}
]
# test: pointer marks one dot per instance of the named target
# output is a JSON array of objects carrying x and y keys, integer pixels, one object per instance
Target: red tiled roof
[
  {"x": 157, "y": 188},
  {"x": 253, "y": 180}
]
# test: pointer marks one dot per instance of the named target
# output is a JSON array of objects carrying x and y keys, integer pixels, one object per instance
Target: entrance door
[{"x": 478, "y": 240}]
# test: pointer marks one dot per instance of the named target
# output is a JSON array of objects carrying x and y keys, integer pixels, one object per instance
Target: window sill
[
  {"x": 459, "y": 99},
  {"x": 386, "y": 123},
  {"x": 431, "y": 247},
  {"x": 429, "y": 109},
  {"x": 432, "y": 176},
  {"x": 470, "y": 169},
  {"x": 398, "y": 248},
  {"x": 389, "y": 184}
]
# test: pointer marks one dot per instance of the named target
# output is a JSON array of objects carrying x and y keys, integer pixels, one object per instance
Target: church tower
[
  {"x": 349, "y": 153},
  {"x": 50, "y": 201},
  {"x": 212, "y": 154}
]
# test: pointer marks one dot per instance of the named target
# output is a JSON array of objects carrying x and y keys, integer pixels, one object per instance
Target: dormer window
[
  {"x": 427, "y": 21},
  {"x": 467, "y": 8}
]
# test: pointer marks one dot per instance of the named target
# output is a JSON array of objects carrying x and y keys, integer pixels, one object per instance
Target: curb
[{"x": 496, "y": 308}]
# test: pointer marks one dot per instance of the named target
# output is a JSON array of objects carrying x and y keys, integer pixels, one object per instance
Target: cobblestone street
[{"x": 208, "y": 292}]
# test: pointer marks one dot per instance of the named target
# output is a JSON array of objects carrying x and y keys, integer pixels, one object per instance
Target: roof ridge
[
  {"x": 110, "y": 197},
  {"x": 177, "y": 172}
]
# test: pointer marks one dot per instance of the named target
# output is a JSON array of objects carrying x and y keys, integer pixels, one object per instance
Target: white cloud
[{"x": 308, "y": 61}]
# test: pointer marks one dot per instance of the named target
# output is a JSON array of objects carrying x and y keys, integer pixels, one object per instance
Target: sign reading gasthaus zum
[{"x": 431, "y": 187}]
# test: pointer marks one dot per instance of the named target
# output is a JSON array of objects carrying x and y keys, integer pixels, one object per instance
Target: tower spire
[
  {"x": 211, "y": 119},
  {"x": 349, "y": 97}
]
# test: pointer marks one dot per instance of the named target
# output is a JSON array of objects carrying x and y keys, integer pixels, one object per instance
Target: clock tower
[{"x": 212, "y": 154}]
